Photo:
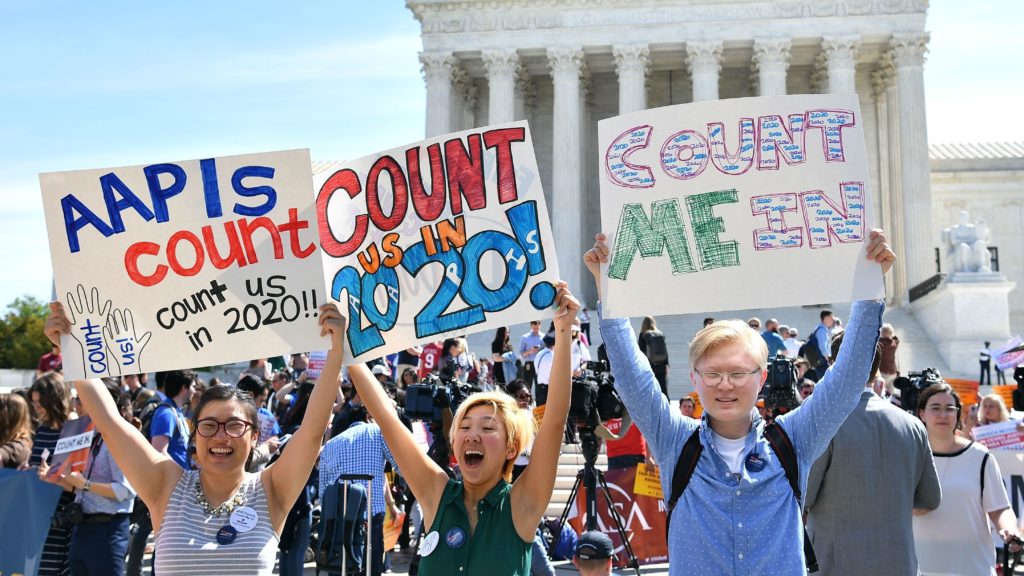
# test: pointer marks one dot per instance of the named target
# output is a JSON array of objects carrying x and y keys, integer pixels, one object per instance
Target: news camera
[
  {"x": 594, "y": 399},
  {"x": 434, "y": 394},
  {"x": 911, "y": 385},
  {"x": 780, "y": 389}
]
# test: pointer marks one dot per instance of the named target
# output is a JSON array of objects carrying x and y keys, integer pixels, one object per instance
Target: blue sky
[{"x": 90, "y": 85}]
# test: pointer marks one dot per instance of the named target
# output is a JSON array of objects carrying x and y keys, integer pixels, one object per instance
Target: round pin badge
[
  {"x": 244, "y": 518},
  {"x": 455, "y": 537},
  {"x": 755, "y": 463},
  {"x": 226, "y": 535},
  {"x": 429, "y": 543}
]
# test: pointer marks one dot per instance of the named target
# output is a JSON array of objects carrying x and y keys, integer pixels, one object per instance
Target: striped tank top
[{"x": 187, "y": 541}]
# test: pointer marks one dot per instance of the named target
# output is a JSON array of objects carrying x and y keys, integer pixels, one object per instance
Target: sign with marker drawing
[
  {"x": 734, "y": 204},
  {"x": 185, "y": 264},
  {"x": 443, "y": 237}
]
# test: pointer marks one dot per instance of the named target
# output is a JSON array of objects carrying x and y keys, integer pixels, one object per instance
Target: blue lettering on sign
[
  {"x": 94, "y": 347},
  {"x": 818, "y": 230}
]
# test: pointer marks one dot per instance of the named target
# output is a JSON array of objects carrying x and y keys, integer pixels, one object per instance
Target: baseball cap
[
  {"x": 379, "y": 369},
  {"x": 594, "y": 546}
]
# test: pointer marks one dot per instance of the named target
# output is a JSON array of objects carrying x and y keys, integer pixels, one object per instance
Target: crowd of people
[{"x": 228, "y": 475}]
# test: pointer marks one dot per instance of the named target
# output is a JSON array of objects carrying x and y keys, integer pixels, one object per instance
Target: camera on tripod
[
  {"x": 428, "y": 400},
  {"x": 594, "y": 399},
  {"x": 911, "y": 385},
  {"x": 780, "y": 389}
]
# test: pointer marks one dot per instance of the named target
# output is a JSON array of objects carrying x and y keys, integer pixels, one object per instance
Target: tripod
[{"x": 591, "y": 477}]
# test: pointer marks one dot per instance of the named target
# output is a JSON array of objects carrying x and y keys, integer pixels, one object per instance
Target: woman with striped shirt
[
  {"x": 51, "y": 406},
  {"x": 217, "y": 519}
]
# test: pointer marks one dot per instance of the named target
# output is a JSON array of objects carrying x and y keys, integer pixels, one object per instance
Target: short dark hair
[
  {"x": 175, "y": 380},
  {"x": 825, "y": 313},
  {"x": 358, "y": 413},
  {"x": 942, "y": 388},
  {"x": 252, "y": 385},
  {"x": 837, "y": 341}
]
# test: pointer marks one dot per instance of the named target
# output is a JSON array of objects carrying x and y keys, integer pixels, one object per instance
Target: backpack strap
[
  {"x": 685, "y": 466},
  {"x": 783, "y": 448},
  {"x": 984, "y": 461}
]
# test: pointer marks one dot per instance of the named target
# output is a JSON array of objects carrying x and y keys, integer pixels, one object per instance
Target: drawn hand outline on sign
[
  {"x": 88, "y": 313},
  {"x": 123, "y": 344}
]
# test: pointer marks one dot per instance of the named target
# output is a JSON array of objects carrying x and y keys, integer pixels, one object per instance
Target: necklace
[{"x": 232, "y": 503}]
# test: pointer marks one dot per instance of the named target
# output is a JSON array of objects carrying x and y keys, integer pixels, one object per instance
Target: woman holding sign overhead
[
  {"x": 482, "y": 524},
  {"x": 217, "y": 519}
]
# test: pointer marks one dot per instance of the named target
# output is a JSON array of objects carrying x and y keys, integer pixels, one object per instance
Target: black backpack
[
  {"x": 147, "y": 413},
  {"x": 657, "y": 352},
  {"x": 783, "y": 449},
  {"x": 811, "y": 351},
  {"x": 342, "y": 535}
]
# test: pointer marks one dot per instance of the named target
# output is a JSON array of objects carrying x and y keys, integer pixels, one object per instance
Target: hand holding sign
[{"x": 879, "y": 250}]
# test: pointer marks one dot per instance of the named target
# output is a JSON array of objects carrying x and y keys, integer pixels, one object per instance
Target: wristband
[{"x": 88, "y": 486}]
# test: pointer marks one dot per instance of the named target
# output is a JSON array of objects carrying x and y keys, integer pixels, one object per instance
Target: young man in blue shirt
[
  {"x": 738, "y": 514},
  {"x": 169, "y": 429}
]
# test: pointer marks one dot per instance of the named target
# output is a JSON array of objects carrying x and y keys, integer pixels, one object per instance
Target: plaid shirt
[{"x": 359, "y": 450}]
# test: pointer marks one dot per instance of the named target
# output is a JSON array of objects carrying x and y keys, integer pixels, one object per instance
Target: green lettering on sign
[
  {"x": 651, "y": 237},
  {"x": 707, "y": 227}
]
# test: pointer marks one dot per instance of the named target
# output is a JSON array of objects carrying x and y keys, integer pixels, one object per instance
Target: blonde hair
[
  {"x": 1004, "y": 414},
  {"x": 648, "y": 324},
  {"x": 729, "y": 332},
  {"x": 519, "y": 423}
]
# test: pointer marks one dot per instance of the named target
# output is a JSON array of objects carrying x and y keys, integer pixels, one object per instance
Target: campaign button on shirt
[
  {"x": 244, "y": 519},
  {"x": 755, "y": 463},
  {"x": 226, "y": 535},
  {"x": 455, "y": 537}
]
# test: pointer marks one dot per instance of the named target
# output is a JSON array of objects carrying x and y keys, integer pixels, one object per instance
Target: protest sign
[
  {"x": 1009, "y": 355},
  {"x": 315, "y": 363},
  {"x": 439, "y": 238},
  {"x": 967, "y": 389},
  {"x": 643, "y": 518},
  {"x": 71, "y": 454},
  {"x": 185, "y": 264},
  {"x": 648, "y": 481},
  {"x": 28, "y": 506},
  {"x": 1011, "y": 467},
  {"x": 1000, "y": 436},
  {"x": 1005, "y": 391},
  {"x": 719, "y": 205}
]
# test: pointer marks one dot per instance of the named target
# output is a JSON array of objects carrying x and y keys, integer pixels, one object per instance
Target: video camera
[
  {"x": 780, "y": 389},
  {"x": 594, "y": 399},
  {"x": 428, "y": 400},
  {"x": 910, "y": 387}
]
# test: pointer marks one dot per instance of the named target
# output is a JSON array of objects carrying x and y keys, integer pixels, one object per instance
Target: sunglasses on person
[{"x": 235, "y": 428}]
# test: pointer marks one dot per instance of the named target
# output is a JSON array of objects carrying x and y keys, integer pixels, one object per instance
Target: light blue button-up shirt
[{"x": 749, "y": 523}]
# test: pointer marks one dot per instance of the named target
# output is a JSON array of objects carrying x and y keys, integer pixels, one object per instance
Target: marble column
[
  {"x": 909, "y": 53},
  {"x": 631, "y": 62},
  {"x": 566, "y": 188},
  {"x": 841, "y": 63},
  {"x": 886, "y": 201},
  {"x": 704, "y": 59},
  {"x": 771, "y": 57},
  {"x": 501, "y": 67},
  {"x": 526, "y": 94},
  {"x": 437, "y": 71}
]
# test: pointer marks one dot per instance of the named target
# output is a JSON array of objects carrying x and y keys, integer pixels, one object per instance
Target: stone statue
[{"x": 967, "y": 245}]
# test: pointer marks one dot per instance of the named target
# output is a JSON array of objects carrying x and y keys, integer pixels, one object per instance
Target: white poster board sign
[
  {"x": 443, "y": 237},
  {"x": 185, "y": 264},
  {"x": 738, "y": 203},
  {"x": 1000, "y": 436},
  {"x": 1011, "y": 467}
]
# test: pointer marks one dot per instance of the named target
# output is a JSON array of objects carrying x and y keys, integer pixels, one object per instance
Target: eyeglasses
[
  {"x": 208, "y": 427},
  {"x": 736, "y": 379},
  {"x": 524, "y": 396},
  {"x": 937, "y": 410}
]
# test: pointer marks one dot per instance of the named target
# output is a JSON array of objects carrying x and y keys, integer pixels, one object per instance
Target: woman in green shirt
[{"x": 482, "y": 524}]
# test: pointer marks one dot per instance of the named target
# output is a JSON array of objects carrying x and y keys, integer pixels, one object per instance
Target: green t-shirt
[{"x": 495, "y": 548}]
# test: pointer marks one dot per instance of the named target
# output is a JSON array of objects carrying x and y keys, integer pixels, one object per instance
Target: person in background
[
  {"x": 270, "y": 431},
  {"x": 593, "y": 555},
  {"x": 502, "y": 357},
  {"x": 50, "y": 362},
  {"x": 776, "y": 345},
  {"x": 408, "y": 359},
  {"x": 530, "y": 344},
  {"x": 198, "y": 387},
  {"x": 985, "y": 361},
  {"x": 51, "y": 406},
  {"x": 15, "y": 432},
  {"x": 708, "y": 321},
  {"x": 131, "y": 385},
  {"x": 99, "y": 543},
  {"x": 806, "y": 388},
  {"x": 993, "y": 410},
  {"x": 956, "y": 537},
  {"x": 887, "y": 368},
  {"x": 652, "y": 344},
  {"x": 580, "y": 352},
  {"x": 585, "y": 323},
  {"x": 791, "y": 342},
  {"x": 687, "y": 406},
  {"x": 299, "y": 363},
  {"x": 968, "y": 421}
]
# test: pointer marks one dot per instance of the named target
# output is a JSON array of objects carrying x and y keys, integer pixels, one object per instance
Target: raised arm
[
  {"x": 532, "y": 490},
  {"x": 657, "y": 420},
  {"x": 816, "y": 421},
  {"x": 152, "y": 473},
  {"x": 285, "y": 478},
  {"x": 426, "y": 479}
]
